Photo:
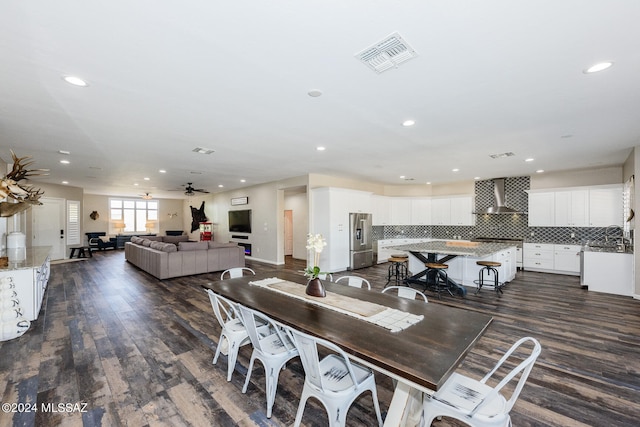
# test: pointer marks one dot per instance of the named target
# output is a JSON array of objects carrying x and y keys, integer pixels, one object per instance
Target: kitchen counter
[
  {"x": 35, "y": 257},
  {"x": 456, "y": 247},
  {"x": 608, "y": 249},
  {"x": 608, "y": 272}
]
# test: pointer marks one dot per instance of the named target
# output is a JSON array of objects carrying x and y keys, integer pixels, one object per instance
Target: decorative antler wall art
[{"x": 23, "y": 195}]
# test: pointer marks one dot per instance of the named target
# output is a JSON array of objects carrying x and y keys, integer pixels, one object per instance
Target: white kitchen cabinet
[
  {"x": 566, "y": 259},
  {"x": 608, "y": 272},
  {"x": 30, "y": 278},
  {"x": 462, "y": 211},
  {"x": 381, "y": 210},
  {"x": 440, "y": 211},
  {"x": 538, "y": 256},
  {"x": 606, "y": 206},
  {"x": 572, "y": 208},
  {"x": 506, "y": 271},
  {"x": 400, "y": 211},
  {"x": 421, "y": 211},
  {"x": 452, "y": 211},
  {"x": 541, "y": 209},
  {"x": 358, "y": 201}
]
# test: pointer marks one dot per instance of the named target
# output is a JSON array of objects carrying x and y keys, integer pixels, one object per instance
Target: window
[
  {"x": 132, "y": 216},
  {"x": 73, "y": 222}
]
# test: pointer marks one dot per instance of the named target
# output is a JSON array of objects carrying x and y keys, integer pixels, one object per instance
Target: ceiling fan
[
  {"x": 146, "y": 196},
  {"x": 189, "y": 190}
]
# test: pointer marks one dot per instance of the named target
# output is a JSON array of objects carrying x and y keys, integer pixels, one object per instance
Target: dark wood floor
[{"x": 137, "y": 351}]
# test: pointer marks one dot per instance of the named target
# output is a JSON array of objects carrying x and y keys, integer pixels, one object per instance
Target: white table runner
[{"x": 389, "y": 318}]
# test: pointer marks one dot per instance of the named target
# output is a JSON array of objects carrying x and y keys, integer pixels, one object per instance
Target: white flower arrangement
[{"x": 316, "y": 243}]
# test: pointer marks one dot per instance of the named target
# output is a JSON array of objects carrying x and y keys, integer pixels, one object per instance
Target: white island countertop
[
  {"x": 35, "y": 257},
  {"x": 456, "y": 247}
]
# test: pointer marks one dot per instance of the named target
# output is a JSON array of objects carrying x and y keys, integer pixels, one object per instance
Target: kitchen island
[
  {"x": 461, "y": 257},
  {"x": 29, "y": 276}
]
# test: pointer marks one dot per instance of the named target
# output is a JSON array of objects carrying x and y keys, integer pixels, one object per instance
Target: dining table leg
[{"x": 405, "y": 409}]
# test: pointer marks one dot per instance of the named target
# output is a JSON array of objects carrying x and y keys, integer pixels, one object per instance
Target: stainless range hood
[{"x": 499, "y": 206}]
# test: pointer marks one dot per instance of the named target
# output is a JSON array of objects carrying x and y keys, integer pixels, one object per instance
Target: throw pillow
[{"x": 105, "y": 239}]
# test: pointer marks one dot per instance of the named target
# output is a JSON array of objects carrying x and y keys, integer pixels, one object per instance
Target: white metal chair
[
  {"x": 475, "y": 402},
  {"x": 273, "y": 347},
  {"x": 355, "y": 281},
  {"x": 405, "y": 292},
  {"x": 335, "y": 381},
  {"x": 326, "y": 276},
  {"x": 236, "y": 272},
  {"x": 234, "y": 335}
]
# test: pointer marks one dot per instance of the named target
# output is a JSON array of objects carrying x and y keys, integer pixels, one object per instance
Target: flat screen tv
[{"x": 240, "y": 221}]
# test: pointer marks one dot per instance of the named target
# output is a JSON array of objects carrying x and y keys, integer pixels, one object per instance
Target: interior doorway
[{"x": 288, "y": 232}]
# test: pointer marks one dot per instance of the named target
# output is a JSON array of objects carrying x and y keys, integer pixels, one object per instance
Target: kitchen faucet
[{"x": 606, "y": 232}]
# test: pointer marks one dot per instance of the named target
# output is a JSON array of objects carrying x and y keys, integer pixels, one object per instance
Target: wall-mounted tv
[{"x": 240, "y": 221}]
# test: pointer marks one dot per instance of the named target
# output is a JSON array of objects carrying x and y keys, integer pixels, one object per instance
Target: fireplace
[{"x": 247, "y": 248}]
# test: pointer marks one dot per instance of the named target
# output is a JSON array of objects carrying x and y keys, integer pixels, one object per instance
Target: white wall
[
  {"x": 299, "y": 205},
  {"x": 577, "y": 178}
]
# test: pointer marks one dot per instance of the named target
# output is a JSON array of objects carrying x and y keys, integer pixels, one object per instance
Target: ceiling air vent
[{"x": 386, "y": 54}]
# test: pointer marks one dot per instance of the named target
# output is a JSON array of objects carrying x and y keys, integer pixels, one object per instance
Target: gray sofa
[{"x": 170, "y": 256}]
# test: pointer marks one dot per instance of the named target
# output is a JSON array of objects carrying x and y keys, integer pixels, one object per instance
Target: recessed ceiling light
[
  {"x": 146, "y": 178},
  {"x": 314, "y": 93},
  {"x": 65, "y": 152},
  {"x": 598, "y": 67},
  {"x": 65, "y": 162},
  {"x": 530, "y": 159},
  {"x": 220, "y": 185},
  {"x": 162, "y": 171},
  {"x": 428, "y": 182},
  {"x": 455, "y": 170},
  {"x": 402, "y": 177},
  {"x": 65, "y": 182},
  {"x": 243, "y": 180},
  {"x": 476, "y": 178},
  {"x": 135, "y": 184},
  {"x": 321, "y": 148},
  {"x": 76, "y": 81},
  {"x": 408, "y": 123},
  {"x": 540, "y": 171}
]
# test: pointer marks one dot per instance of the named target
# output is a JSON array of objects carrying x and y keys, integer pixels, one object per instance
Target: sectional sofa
[{"x": 171, "y": 256}]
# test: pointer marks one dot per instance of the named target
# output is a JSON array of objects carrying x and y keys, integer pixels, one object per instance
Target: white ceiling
[{"x": 166, "y": 77}]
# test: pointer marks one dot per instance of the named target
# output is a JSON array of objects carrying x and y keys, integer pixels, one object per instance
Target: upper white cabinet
[
  {"x": 400, "y": 211},
  {"x": 462, "y": 211},
  {"x": 455, "y": 210},
  {"x": 441, "y": 211},
  {"x": 421, "y": 211},
  {"x": 381, "y": 210},
  {"x": 452, "y": 211},
  {"x": 597, "y": 206},
  {"x": 542, "y": 209},
  {"x": 606, "y": 206},
  {"x": 572, "y": 208}
]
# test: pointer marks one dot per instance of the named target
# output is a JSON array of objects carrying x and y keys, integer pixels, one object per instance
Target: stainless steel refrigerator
[{"x": 360, "y": 245}]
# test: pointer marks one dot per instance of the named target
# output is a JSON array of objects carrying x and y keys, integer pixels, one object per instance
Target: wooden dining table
[{"x": 420, "y": 357}]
